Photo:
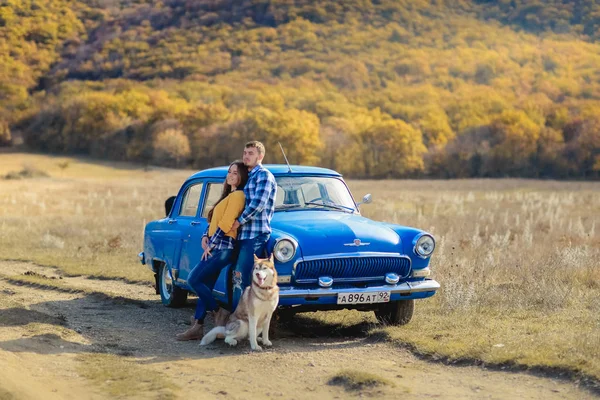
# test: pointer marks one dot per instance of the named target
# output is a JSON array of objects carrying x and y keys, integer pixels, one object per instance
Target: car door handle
[
  {"x": 172, "y": 221},
  {"x": 194, "y": 223}
]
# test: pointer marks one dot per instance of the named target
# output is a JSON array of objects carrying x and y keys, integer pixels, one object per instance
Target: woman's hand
[
  {"x": 206, "y": 254},
  {"x": 204, "y": 242}
]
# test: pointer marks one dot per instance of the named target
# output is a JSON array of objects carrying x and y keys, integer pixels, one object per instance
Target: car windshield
[{"x": 312, "y": 192}]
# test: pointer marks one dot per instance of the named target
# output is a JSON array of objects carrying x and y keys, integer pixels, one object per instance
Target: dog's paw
[
  {"x": 267, "y": 343},
  {"x": 203, "y": 343},
  {"x": 259, "y": 339},
  {"x": 231, "y": 341},
  {"x": 256, "y": 348}
]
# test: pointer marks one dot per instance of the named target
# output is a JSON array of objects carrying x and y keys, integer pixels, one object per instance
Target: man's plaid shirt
[
  {"x": 260, "y": 191},
  {"x": 219, "y": 241}
]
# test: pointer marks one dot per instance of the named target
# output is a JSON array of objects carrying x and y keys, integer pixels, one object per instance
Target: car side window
[
  {"x": 214, "y": 194},
  {"x": 191, "y": 200}
]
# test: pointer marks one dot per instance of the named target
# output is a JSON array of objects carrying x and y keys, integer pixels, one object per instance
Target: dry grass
[
  {"x": 518, "y": 260},
  {"x": 519, "y": 264},
  {"x": 87, "y": 219}
]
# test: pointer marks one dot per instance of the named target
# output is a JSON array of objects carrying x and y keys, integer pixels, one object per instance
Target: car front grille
[{"x": 354, "y": 269}]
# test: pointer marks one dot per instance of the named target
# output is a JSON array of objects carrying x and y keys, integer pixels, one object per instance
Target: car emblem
[{"x": 356, "y": 243}]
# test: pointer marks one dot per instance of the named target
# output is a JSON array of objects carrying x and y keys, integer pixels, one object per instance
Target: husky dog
[{"x": 254, "y": 311}]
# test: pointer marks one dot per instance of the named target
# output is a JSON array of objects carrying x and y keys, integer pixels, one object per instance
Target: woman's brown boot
[{"x": 194, "y": 333}]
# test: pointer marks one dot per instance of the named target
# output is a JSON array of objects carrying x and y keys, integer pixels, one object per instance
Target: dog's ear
[
  {"x": 256, "y": 258},
  {"x": 271, "y": 258}
]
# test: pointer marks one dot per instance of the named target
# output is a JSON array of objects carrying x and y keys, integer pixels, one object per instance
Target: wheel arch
[{"x": 156, "y": 264}]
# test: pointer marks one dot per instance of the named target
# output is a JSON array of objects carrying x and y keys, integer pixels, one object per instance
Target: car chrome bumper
[{"x": 405, "y": 288}]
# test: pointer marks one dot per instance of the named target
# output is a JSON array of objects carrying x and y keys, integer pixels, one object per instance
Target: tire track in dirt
[{"x": 44, "y": 332}]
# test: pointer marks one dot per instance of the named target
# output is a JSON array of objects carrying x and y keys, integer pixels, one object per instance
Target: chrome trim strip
[
  {"x": 344, "y": 280},
  {"x": 141, "y": 257},
  {"x": 405, "y": 287},
  {"x": 357, "y": 243},
  {"x": 218, "y": 292}
]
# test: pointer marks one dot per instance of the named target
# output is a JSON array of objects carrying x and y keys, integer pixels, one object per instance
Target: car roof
[{"x": 276, "y": 169}]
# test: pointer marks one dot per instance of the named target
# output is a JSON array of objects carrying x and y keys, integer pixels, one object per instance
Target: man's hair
[{"x": 256, "y": 144}]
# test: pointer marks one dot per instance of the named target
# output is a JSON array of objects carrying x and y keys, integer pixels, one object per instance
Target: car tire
[
  {"x": 170, "y": 294},
  {"x": 396, "y": 312}
]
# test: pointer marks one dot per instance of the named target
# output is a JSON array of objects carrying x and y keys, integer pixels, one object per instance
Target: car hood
[{"x": 326, "y": 232}]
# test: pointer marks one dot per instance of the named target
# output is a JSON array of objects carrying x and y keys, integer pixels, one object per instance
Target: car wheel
[
  {"x": 170, "y": 294},
  {"x": 396, "y": 312}
]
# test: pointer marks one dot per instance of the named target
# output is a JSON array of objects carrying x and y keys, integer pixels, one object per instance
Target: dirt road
[{"x": 105, "y": 339}]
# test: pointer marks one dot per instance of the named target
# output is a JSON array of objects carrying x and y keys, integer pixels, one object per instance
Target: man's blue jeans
[
  {"x": 202, "y": 279},
  {"x": 242, "y": 275}
]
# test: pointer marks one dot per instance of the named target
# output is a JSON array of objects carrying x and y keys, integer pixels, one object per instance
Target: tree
[
  {"x": 342, "y": 147},
  {"x": 351, "y": 75},
  {"x": 582, "y": 148},
  {"x": 436, "y": 128},
  {"x": 171, "y": 147},
  {"x": 5, "y": 137},
  {"x": 549, "y": 158},
  {"x": 219, "y": 144},
  {"x": 514, "y": 141},
  {"x": 392, "y": 149},
  {"x": 296, "y": 130}
]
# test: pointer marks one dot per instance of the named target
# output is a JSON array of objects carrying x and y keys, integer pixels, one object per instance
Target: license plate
[{"x": 363, "y": 298}]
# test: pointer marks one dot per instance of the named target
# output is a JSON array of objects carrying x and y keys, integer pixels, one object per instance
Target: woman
[{"x": 218, "y": 246}]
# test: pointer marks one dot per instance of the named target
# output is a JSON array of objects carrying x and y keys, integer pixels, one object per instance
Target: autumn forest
[{"x": 371, "y": 88}]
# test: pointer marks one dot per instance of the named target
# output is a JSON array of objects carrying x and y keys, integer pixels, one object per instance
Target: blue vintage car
[{"x": 328, "y": 256}]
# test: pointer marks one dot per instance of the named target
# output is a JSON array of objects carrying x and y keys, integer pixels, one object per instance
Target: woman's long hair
[{"x": 243, "y": 174}]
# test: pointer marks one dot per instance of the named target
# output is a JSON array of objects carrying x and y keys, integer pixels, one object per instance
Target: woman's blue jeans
[{"x": 202, "y": 279}]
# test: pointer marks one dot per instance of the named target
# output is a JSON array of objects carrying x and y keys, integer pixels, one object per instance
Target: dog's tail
[{"x": 214, "y": 333}]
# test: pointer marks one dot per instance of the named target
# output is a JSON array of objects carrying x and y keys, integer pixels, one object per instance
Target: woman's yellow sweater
[{"x": 226, "y": 213}]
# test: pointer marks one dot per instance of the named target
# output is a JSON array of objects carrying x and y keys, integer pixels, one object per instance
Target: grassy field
[{"x": 518, "y": 260}]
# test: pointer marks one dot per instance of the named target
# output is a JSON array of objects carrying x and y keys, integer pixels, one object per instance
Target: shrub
[{"x": 171, "y": 147}]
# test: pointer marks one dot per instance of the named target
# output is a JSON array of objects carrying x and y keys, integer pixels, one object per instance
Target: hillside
[{"x": 371, "y": 88}]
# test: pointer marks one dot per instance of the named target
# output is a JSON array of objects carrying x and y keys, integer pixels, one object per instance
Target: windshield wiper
[{"x": 334, "y": 206}]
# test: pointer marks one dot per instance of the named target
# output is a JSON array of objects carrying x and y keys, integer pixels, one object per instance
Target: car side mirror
[
  {"x": 366, "y": 200},
  {"x": 169, "y": 204}
]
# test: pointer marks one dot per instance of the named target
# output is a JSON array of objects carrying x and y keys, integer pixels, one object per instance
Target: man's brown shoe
[{"x": 194, "y": 333}]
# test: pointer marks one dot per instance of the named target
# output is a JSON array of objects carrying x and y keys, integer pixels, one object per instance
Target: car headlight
[
  {"x": 424, "y": 246},
  {"x": 284, "y": 250}
]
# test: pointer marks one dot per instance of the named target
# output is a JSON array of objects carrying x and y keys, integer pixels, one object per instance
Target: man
[{"x": 255, "y": 221}]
